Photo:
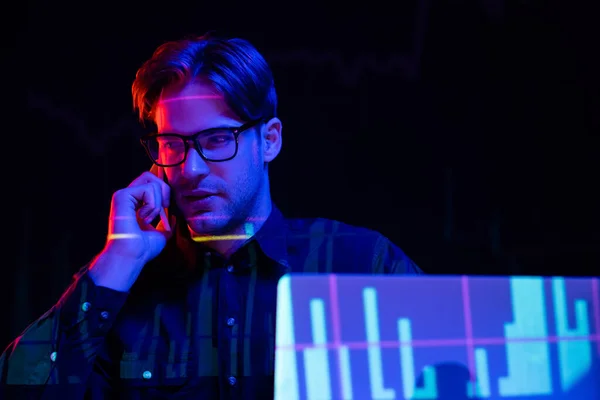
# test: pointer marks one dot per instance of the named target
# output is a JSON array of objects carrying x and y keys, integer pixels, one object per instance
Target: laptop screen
[{"x": 437, "y": 337}]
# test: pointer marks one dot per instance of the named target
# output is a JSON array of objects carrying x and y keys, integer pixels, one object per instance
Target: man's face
[{"x": 214, "y": 197}]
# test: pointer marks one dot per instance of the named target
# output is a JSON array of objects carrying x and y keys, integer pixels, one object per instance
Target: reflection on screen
[{"x": 350, "y": 337}]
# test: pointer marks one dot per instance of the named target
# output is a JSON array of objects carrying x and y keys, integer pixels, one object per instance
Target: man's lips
[
  {"x": 198, "y": 200},
  {"x": 197, "y": 194}
]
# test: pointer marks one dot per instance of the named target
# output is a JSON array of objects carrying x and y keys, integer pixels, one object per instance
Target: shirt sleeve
[
  {"x": 390, "y": 259},
  {"x": 55, "y": 355}
]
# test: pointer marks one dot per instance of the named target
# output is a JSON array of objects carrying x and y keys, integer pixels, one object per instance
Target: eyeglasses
[{"x": 215, "y": 144}]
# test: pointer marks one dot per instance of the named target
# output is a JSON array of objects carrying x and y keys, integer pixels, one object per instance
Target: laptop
[{"x": 358, "y": 337}]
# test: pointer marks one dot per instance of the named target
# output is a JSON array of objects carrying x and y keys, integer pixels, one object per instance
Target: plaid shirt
[{"x": 194, "y": 325}]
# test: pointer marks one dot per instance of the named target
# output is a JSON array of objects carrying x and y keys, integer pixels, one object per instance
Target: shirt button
[
  {"x": 232, "y": 381},
  {"x": 104, "y": 315},
  {"x": 53, "y": 356},
  {"x": 147, "y": 375},
  {"x": 230, "y": 268},
  {"x": 86, "y": 306},
  {"x": 230, "y": 321}
]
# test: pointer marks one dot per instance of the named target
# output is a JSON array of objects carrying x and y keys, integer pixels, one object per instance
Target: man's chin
[{"x": 208, "y": 223}]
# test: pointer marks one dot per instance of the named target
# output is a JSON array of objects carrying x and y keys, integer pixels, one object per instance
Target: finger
[
  {"x": 164, "y": 219},
  {"x": 127, "y": 207},
  {"x": 144, "y": 178},
  {"x": 130, "y": 199},
  {"x": 156, "y": 170},
  {"x": 150, "y": 177},
  {"x": 157, "y": 205},
  {"x": 165, "y": 188},
  {"x": 161, "y": 227},
  {"x": 143, "y": 198}
]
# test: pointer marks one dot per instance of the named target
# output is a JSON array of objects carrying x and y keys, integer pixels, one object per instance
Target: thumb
[{"x": 163, "y": 229}]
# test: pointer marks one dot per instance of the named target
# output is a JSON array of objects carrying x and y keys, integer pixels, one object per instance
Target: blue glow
[
  {"x": 407, "y": 348},
  {"x": 482, "y": 385},
  {"x": 316, "y": 361},
  {"x": 575, "y": 356},
  {"x": 528, "y": 362},
  {"x": 346, "y": 374},
  {"x": 286, "y": 372},
  {"x": 407, "y": 362},
  {"x": 378, "y": 391}
]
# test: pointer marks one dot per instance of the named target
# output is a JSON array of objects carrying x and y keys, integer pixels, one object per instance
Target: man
[{"x": 186, "y": 308}]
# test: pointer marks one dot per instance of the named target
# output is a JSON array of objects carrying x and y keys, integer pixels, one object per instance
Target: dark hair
[{"x": 233, "y": 66}]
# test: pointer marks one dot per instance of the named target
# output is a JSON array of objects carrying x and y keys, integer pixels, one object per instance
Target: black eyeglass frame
[{"x": 193, "y": 138}]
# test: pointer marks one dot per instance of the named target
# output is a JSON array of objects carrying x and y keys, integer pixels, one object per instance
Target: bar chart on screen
[{"x": 434, "y": 337}]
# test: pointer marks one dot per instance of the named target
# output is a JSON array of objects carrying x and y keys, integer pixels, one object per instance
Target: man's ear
[{"x": 271, "y": 139}]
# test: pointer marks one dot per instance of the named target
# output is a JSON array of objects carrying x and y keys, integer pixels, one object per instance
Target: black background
[{"x": 465, "y": 131}]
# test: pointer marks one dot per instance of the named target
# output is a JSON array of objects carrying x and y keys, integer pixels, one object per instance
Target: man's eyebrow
[
  {"x": 224, "y": 125},
  {"x": 198, "y": 97}
]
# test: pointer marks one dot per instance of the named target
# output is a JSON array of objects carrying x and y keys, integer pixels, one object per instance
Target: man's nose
[{"x": 194, "y": 165}]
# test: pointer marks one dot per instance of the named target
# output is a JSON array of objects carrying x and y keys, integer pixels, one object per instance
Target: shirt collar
[{"x": 272, "y": 237}]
